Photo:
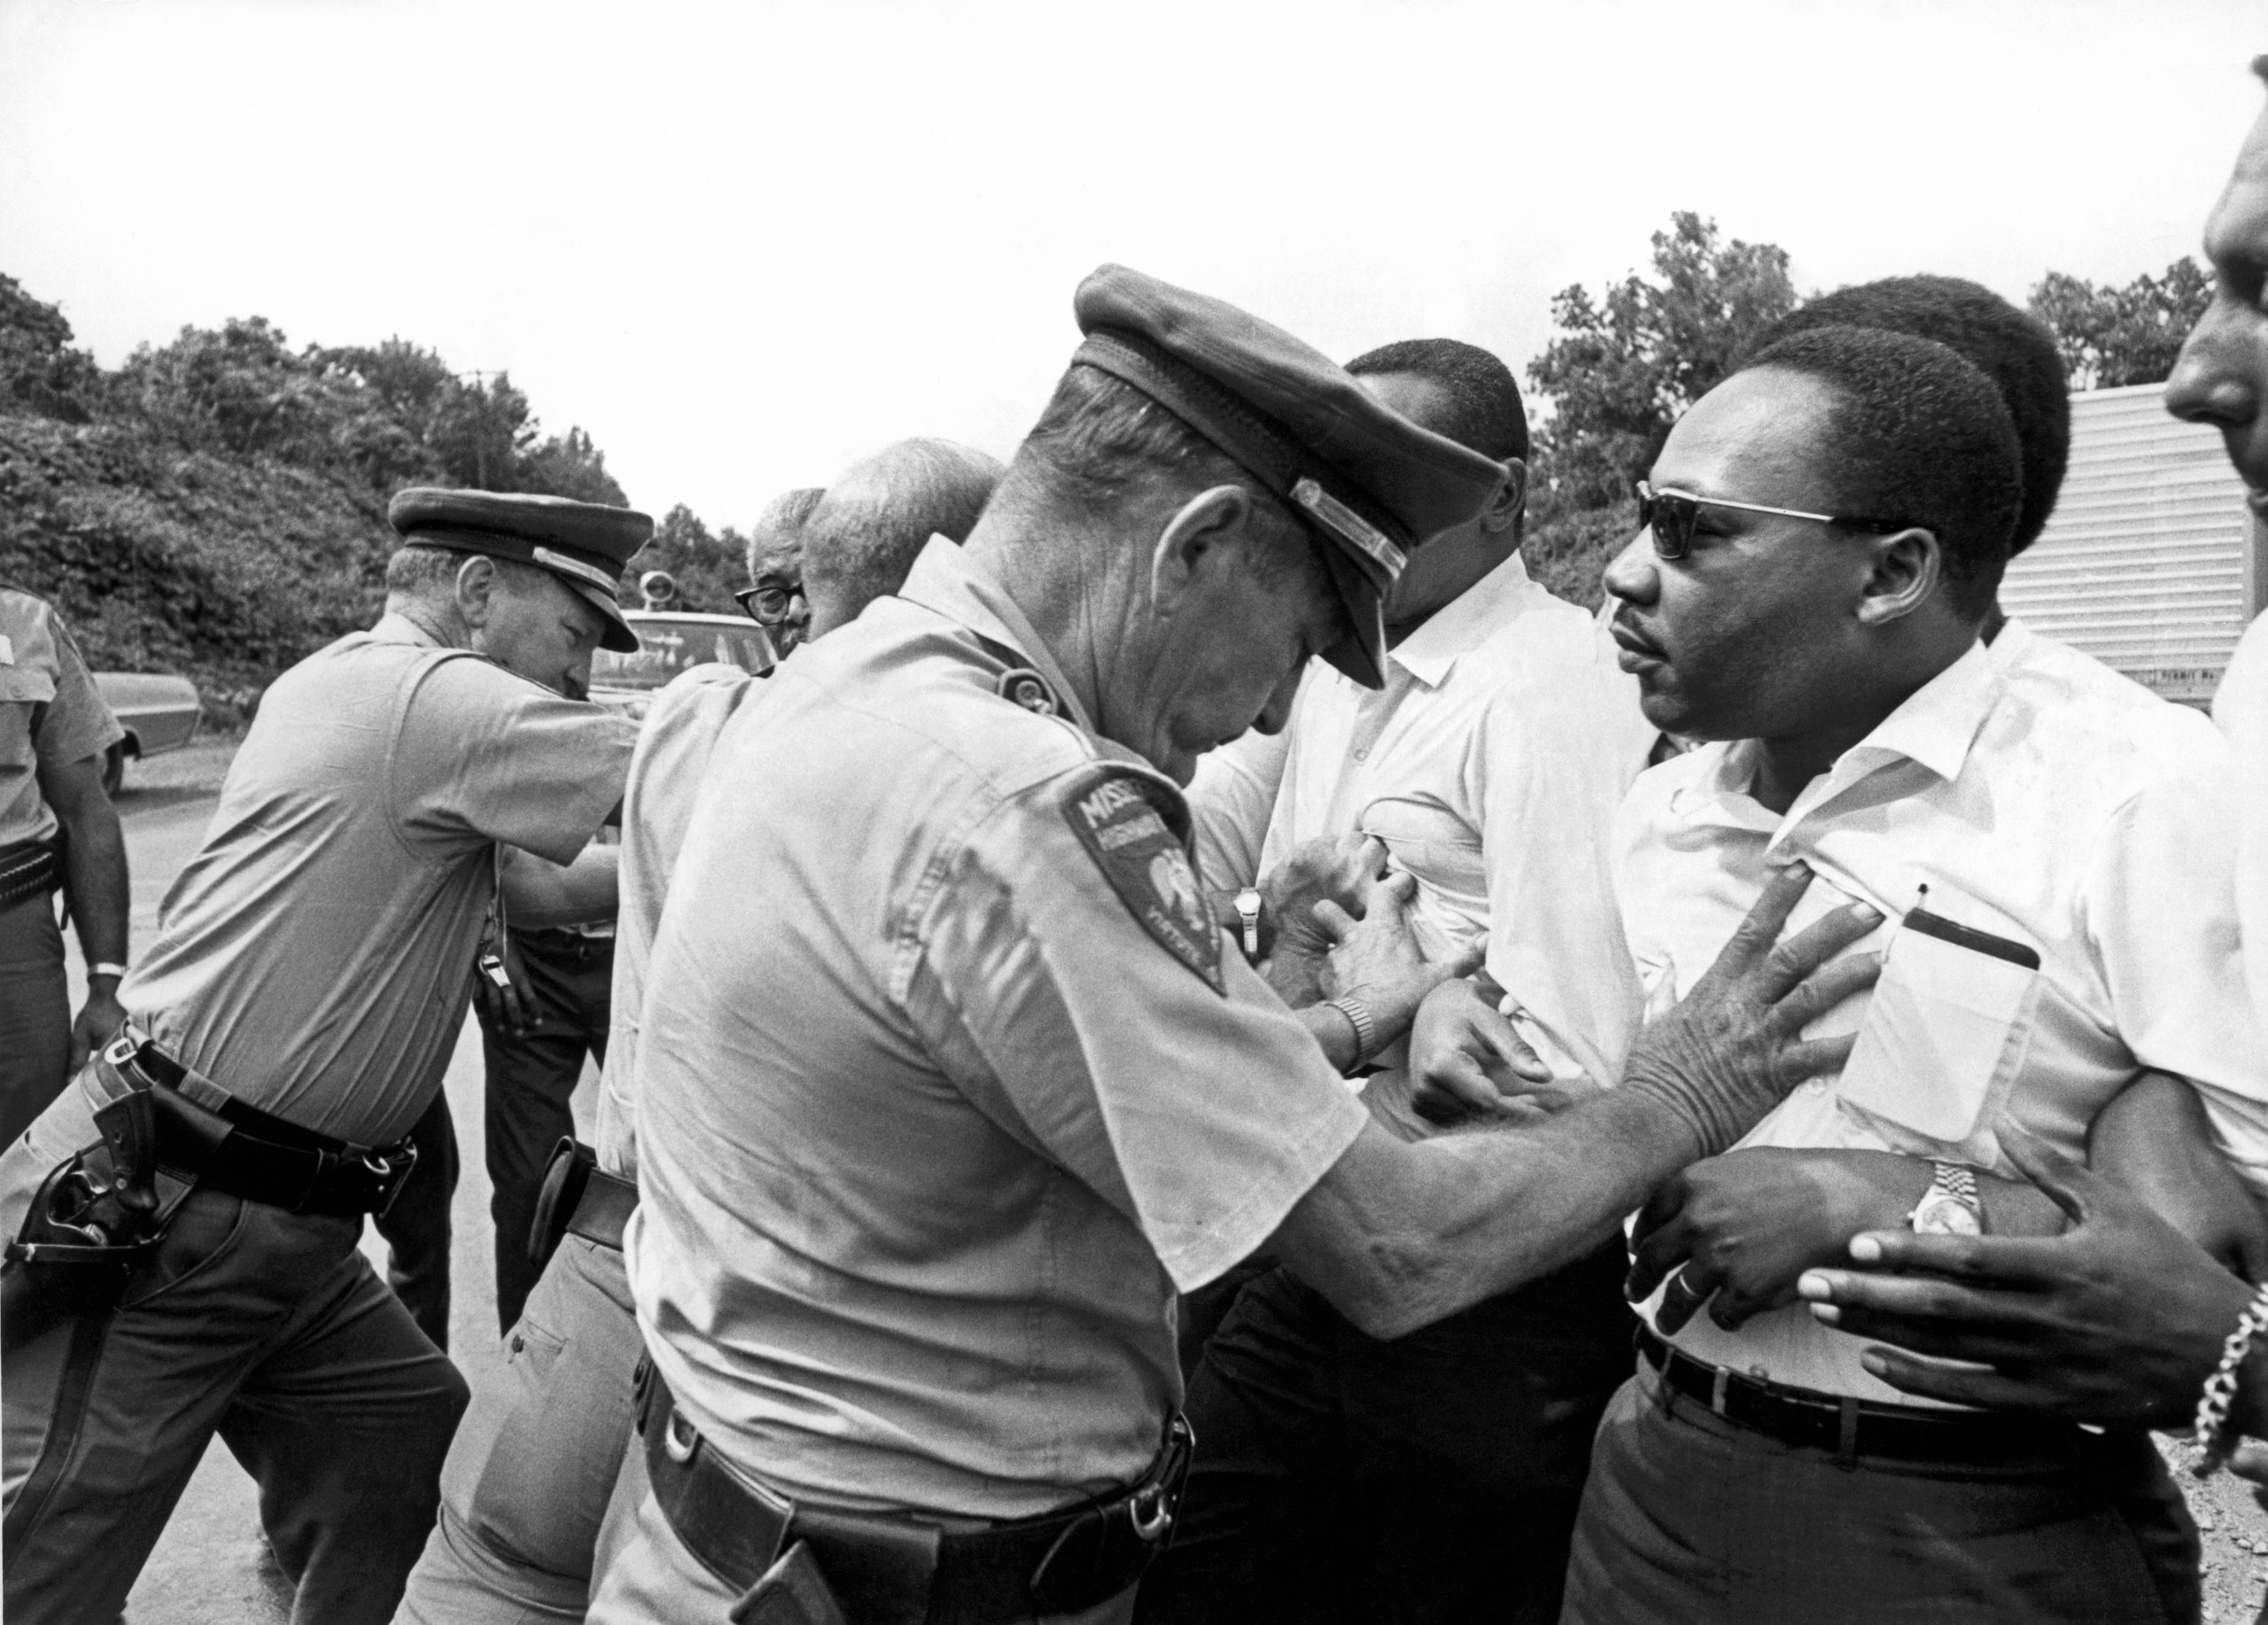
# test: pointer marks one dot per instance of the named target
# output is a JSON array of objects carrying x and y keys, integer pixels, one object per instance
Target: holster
[
  {"x": 97, "y": 1214},
  {"x": 565, "y": 1179}
]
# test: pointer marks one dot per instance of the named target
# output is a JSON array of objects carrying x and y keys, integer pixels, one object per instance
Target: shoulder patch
[{"x": 1124, "y": 822}]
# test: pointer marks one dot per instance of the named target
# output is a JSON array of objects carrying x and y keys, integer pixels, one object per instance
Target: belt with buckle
[
  {"x": 900, "y": 1570},
  {"x": 30, "y": 870},
  {"x": 1850, "y": 1426},
  {"x": 205, "y": 1134}
]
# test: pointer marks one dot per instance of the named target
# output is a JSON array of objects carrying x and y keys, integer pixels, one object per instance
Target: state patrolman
[
  {"x": 527, "y": 1478},
  {"x": 290, "y": 1023},
  {"x": 59, "y": 832},
  {"x": 949, "y": 1079}
]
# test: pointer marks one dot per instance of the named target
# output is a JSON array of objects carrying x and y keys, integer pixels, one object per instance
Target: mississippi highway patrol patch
[{"x": 1121, "y": 818}]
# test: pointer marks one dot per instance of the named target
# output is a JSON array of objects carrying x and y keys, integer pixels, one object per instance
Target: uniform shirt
[
  {"x": 50, "y": 714},
  {"x": 1490, "y": 764},
  {"x": 930, "y": 1124},
  {"x": 2031, "y": 811},
  {"x": 675, "y": 742},
  {"x": 314, "y": 959}
]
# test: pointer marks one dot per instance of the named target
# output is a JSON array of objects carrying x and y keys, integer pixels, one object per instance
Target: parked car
[
  {"x": 159, "y": 713},
  {"x": 670, "y": 642}
]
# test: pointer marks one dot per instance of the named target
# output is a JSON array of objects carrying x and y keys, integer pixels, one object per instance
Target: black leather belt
[
  {"x": 1851, "y": 1427},
  {"x": 892, "y": 1570},
  {"x": 607, "y": 1203},
  {"x": 242, "y": 1151}
]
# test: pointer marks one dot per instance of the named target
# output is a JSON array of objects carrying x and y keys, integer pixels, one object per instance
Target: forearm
[
  {"x": 1334, "y": 1031},
  {"x": 95, "y": 882},
  {"x": 1402, "y": 1235},
  {"x": 539, "y": 893}
]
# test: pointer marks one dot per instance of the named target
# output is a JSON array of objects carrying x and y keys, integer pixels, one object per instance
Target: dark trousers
[
  {"x": 264, "y": 1327},
  {"x": 531, "y": 1080},
  {"x": 1431, "y": 1478},
  {"x": 1688, "y": 1519},
  {"x": 34, "y": 1013},
  {"x": 416, "y": 1228}
]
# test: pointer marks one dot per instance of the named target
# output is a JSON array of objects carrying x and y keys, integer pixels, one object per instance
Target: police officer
[
  {"x": 291, "y": 1021},
  {"x": 58, "y": 832},
  {"x": 952, "y": 1080},
  {"x": 528, "y": 1475}
]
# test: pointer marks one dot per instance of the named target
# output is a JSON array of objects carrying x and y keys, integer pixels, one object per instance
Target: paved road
[{"x": 210, "y": 1568}]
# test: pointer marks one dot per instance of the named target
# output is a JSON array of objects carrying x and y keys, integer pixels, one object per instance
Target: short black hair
[
  {"x": 1485, "y": 409},
  {"x": 1920, "y": 436},
  {"x": 2010, "y": 346}
]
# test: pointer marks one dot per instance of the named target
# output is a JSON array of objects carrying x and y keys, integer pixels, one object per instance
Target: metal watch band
[
  {"x": 1366, "y": 1031},
  {"x": 104, "y": 967},
  {"x": 1249, "y": 913},
  {"x": 1959, "y": 1183}
]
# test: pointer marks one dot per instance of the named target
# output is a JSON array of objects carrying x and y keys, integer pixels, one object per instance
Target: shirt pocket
[{"x": 25, "y": 685}]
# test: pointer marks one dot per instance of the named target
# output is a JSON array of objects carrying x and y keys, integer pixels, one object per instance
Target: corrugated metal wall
[{"x": 2148, "y": 563}]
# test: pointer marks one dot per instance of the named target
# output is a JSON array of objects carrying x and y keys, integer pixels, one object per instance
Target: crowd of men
[{"x": 1155, "y": 1063}]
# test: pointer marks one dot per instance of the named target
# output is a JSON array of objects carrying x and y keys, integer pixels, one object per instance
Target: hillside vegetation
[{"x": 217, "y": 507}]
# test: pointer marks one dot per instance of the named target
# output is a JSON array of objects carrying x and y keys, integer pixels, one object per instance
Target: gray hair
[
  {"x": 420, "y": 570},
  {"x": 785, "y": 515},
  {"x": 863, "y": 538}
]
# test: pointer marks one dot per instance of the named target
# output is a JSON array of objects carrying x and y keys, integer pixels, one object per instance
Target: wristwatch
[
  {"x": 1249, "y": 912},
  {"x": 1949, "y": 1207}
]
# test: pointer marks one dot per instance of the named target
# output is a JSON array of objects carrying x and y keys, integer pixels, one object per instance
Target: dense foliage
[{"x": 2112, "y": 336}]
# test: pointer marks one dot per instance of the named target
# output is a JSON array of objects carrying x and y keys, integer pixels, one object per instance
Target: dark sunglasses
[
  {"x": 1672, "y": 515},
  {"x": 770, "y": 602}
]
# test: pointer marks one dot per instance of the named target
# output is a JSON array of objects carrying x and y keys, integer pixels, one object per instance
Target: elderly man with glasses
[{"x": 1824, "y": 534}]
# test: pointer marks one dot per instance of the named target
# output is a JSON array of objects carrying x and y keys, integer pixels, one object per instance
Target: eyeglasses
[
  {"x": 1672, "y": 515},
  {"x": 771, "y": 601}
]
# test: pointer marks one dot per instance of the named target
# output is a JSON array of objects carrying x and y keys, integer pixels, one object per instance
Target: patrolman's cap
[
  {"x": 586, "y": 545},
  {"x": 1369, "y": 484}
]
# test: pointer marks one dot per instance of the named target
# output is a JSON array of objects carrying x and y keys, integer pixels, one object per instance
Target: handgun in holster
[{"x": 97, "y": 1214}]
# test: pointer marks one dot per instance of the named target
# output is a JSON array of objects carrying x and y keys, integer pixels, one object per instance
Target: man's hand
[
  {"x": 98, "y": 1019},
  {"x": 1466, "y": 1061},
  {"x": 1376, "y": 959},
  {"x": 1746, "y": 1225},
  {"x": 2119, "y": 1320},
  {"x": 1734, "y": 1047},
  {"x": 1328, "y": 868},
  {"x": 500, "y": 981}
]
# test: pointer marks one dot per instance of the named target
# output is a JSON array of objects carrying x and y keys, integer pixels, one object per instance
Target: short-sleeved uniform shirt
[
  {"x": 947, "y": 1080},
  {"x": 314, "y": 959},
  {"x": 2033, "y": 809},
  {"x": 675, "y": 741},
  {"x": 50, "y": 714},
  {"x": 1490, "y": 766}
]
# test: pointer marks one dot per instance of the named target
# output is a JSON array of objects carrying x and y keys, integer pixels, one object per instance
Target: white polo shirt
[
  {"x": 1490, "y": 764},
  {"x": 2032, "y": 810}
]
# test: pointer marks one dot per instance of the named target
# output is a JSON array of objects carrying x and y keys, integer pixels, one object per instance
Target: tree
[
  {"x": 707, "y": 568},
  {"x": 2130, "y": 335},
  {"x": 1624, "y": 366},
  {"x": 40, "y": 372}
]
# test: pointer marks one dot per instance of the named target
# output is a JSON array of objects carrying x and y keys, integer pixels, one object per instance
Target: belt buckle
[
  {"x": 120, "y": 1051},
  {"x": 1718, "y": 1384},
  {"x": 391, "y": 1173}
]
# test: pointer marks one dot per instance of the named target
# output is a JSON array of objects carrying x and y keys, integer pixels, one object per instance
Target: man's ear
[
  {"x": 476, "y": 585},
  {"x": 1905, "y": 569},
  {"x": 1503, "y": 510},
  {"x": 1212, "y": 519}
]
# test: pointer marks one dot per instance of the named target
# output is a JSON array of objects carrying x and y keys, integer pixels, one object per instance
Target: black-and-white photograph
[{"x": 986, "y": 812}]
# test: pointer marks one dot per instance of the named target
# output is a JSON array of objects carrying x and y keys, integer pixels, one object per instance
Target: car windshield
[{"x": 669, "y": 644}]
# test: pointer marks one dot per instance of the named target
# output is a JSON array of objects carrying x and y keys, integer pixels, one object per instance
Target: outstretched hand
[
  {"x": 2119, "y": 1320},
  {"x": 1466, "y": 1060},
  {"x": 1327, "y": 869},
  {"x": 1734, "y": 1047},
  {"x": 1378, "y": 959}
]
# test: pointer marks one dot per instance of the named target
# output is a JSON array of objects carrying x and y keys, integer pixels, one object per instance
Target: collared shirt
[
  {"x": 314, "y": 959},
  {"x": 2031, "y": 810},
  {"x": 50, "y": 714},
  {"x": 931, "y": 1124},
  {"x": 2241, "y": 708},
  {"x": 675, "y": 742},
  {"x": 1490, "y": 766}
]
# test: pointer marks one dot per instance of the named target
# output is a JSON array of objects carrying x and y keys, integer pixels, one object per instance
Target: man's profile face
[
  {"x": 776, "y": 566},
  {"x": 541, "y": 628},
  {"x": 1751, "y": 633},
  {"x": 2222, "y": 377}
]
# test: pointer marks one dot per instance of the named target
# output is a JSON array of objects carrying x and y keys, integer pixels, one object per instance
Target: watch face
[{"x": 1940, "y": 1215}]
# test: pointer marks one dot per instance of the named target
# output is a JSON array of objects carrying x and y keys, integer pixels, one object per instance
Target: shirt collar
[
  {"x": 944, "y": 578},
  {"x": 1463, "y": 623},
  {"x": 393, "y": 628}
]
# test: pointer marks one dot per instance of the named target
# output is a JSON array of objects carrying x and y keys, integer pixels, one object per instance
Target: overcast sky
[{"x": 743, "y": 244}]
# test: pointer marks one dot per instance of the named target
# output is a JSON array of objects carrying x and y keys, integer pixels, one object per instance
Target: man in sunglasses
[
  {"x": 1824, "y": 534},
  {"x": 530, "y": 1469}
]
